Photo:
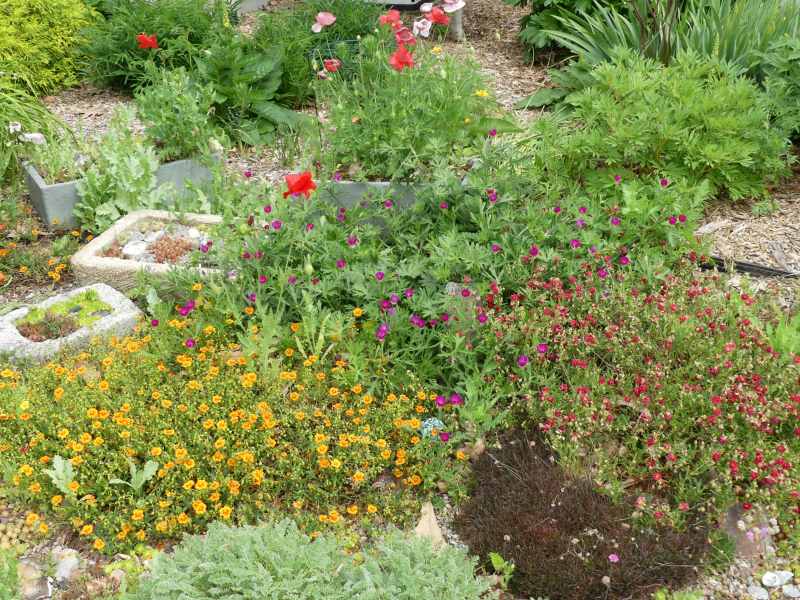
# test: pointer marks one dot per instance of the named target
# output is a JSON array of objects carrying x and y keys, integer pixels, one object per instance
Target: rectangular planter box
[
  {"x": 90, "y": 266},
  {"x": 55, "y": 203},
  {"x": 124, "y": 316}
]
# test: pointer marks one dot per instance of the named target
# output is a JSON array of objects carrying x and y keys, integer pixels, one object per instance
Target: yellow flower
[
  {"x": 58, "y": 393},
  {"x": 297, "y": 504},
  {"x": 295, "y": 327},
  {"x": 358, "y": 476},
  {"x": 155, "y": 451},
  {"x": 225, "y": 512},
  {"x": 481, "y": 93},
  {"x": 288, "y": 353},
  {"x": 87, "y": 530},
  {"x": 57, "y": 500},
  {"x": 201, "y": 484},
  {"x": 161, "y": 526},
  {"x": 31, "y": 518},
  {"x": 322, "y": 449},
  {"x": 103, "y": 386},
  {"x": 467, "y": 120},
  {"x": 372, "y": 509},
  {"x": 357, "y": 312},
  {"x": 98, "y": 544},
  {"x": 25, "y": 470},
  {"x": 43, "y": 528},
  {"x": 352, "y": 509},
  {"x": 137, "y": 515},
  {"x": 197, "y": 287},
  {"x": 73, "y": 486},
  {"x": 199, "y": 507},
  {"x": 184, "y": 519}
]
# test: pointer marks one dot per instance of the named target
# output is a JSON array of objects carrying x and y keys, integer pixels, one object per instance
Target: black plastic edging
[{"x": 720, "y": 264}]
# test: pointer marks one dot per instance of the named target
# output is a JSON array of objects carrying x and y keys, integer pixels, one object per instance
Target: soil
[
  {"x": 171, "y": 249},
  {"x": 51, "y": 327}
]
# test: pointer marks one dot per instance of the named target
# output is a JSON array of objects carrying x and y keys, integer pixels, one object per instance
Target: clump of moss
[{"x": 63, "y": 317}]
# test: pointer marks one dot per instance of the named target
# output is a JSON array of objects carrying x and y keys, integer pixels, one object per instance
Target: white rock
[
  {"x": 776, "y": 578},
  {"x": 791, "y": 591},
  {"x": 757, "y": 592},
  {"x": 428, "y": 526},
  {"x": 134, "y": 249},
  {"x": 785, "y": 577},
  {"x": 194, "y": 233},
  {"x": 153, "y": 236},
  {"x": 66, "y": 566}
]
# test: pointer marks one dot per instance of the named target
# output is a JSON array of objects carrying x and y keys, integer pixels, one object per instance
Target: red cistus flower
[
  {"x": 401, "y": 59},
  {"x": 403, "y": 35},
  {"x": 147, "y": 42},
  {"x": 438, "y": 17},
  {"x": 299, "y": 183},
  {"x": 331, "y": 64},
  {"x": 391, "y": 17}
]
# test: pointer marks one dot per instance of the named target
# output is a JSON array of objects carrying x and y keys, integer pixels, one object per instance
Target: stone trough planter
[
  {"x": 121, "y": 318},
  {"x": 55, "y": 202},
  {"x": 91, "y": 266}
]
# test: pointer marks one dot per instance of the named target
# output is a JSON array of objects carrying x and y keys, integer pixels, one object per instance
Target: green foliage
[
  {"x": 61, "y": 159},
  {"x": 38, "y": 42},
  {"x": 385, "y": 124},
  {"x": 278, "y": 561},
  {"x": 503, "y": 568},
  {"x": 61, "y": 475},
  {"x": 245, "y": 79},
  {"x": 19, "y": 107},
  {"x": 176, "y": 113},
  {"x": 121, "y": 179},
  {"x": 784, "y": 335},
  {"x": 183, "y": 28},
  {"x": 782, "y": 83},
  {"x": 303, "y": 50},
  {"x": 9, "y": 586},
  {"x": 667, "y": 595},
  {"x": 709, "y": 125},
  {"x": 139, "y": 477}
]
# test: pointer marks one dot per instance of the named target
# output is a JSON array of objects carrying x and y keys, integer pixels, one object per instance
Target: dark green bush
[
  {"x": 290, "y": 30},
  {"x": 782, "y": 83},
  {"x": 38, "y": 40},
  {"x": 182, "y": 28}
]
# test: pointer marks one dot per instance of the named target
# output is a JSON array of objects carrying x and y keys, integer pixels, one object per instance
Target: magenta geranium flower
[{"x": 380, "y": 275}]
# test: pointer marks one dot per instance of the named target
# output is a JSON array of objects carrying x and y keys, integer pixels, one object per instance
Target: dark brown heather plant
[{"x": 567, "y": 540}]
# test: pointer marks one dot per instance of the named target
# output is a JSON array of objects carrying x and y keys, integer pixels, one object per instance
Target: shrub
[
  {"x": 563, "y": 535},
  {"x": 302, "y": 49},
  {"x": 160, "y": 434},
  {"x": 38, "y": 42},
  {"x": 8, "y": 575},
  {"x": 712, "y": 126},
  {"x": 120, "y": 179},
  {"x": 385, "y": 124},
  {"x": 782, "y": 83},
  {"x": 672, "y": 394},
  {"x": 277, "y": 560},
  {"x": 176, "y": 113},
  {"x": 182, "y": 28}
]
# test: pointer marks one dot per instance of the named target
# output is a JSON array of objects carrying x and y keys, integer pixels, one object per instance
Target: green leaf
[{"x": 541, "y": 98}]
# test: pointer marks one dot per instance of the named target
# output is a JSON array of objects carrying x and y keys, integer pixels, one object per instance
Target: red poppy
[
  {"x": 401, "y": 59},
  {"x": 404, "y": 36},
  {"x": 393, "y": 16},
  {"x": 147, "y": 42},
  {"x": 299, "y": 183},
  {"x": 332, "y": 64},
  {"x": 438, "y": 17}
]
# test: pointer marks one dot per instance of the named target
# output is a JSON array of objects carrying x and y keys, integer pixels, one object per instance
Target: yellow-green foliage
[{"x": 38, "y": 41}]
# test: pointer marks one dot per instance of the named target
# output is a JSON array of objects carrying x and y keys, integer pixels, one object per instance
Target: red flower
[
  {"x": 401, "y": 59},
  {"x": 147, "y": 42},
  {"x": 438, "y": 17},
  {"x": 393, "y": 16},
  {"x": 404, "y": 36},
  {"x": 332, "y": 64},
  {"x": 299, "y": 183}
]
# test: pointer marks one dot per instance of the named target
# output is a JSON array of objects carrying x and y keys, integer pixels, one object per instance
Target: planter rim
[{"x": 39, "y": 180}]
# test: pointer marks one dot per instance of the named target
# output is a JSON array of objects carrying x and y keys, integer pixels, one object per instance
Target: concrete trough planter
[
  {"x": 55, "y": 202},
  {"x": 90, "y": 266},
  {"x": 122, "y": 318}
]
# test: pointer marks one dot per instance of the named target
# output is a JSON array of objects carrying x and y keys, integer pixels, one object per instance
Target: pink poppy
[
  {"x": 404, "y": 35},
  {"x": 324, "y": 19},
  {"x": 401, "y": 59}
]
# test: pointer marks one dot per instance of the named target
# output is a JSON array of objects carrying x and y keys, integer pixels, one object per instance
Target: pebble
[
  {"x": 67, "y": 565},
  {"x": 757, "y": 592},
  {"x": 134, "y": 249},
  {"x": 776, "y": 578},
  {"x": 32, "y": 584},
  {"x": 791, "y": 591}
]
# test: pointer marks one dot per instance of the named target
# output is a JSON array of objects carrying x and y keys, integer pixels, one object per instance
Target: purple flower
[
  {"x": 575, "y": 243},
  {"x": 409, "y": 293},
  {"x": 582, "y": 210},
  {"x": 417, "y": 321},
  {"x": 541, "y": 348},
  {"x": 340, "y": 217},
  {"x": 394, "y": 299},
  {"x": 259, "y": 254},
  {"x": 385, "y": 305},
  {"x": 154, "y": 322},
  {"x": 205, "y": 246},
  {"x": 246, "y": 255},
  {"x": 268, "y": 208},
  {"x": 445, "y": 317},
  {"x": 276, "y": 224},
  {"x": 673, "y": 220},
  {"x": 491, "y": 194},
  {"x": 232, "y": 274},
  {"x": 614, "y": 558},
  {"x": 580, "y": 223},
  {"x": 251, "y": 296},
  {"x": 190, "y": 343},
  {"x": 341, "y": 264},
  {"x": 456, "y": 399},
  {"x": 388, "y": 203},
  {"x": 556, "y": 209},
  {"x": 617, "y": 179},
  {"x": 382, "y": 330},
  {"x": 292, "y": 279},
  {"x": 602, "y": 273},
  {"x": 309, "y": 227},
  {"x": 465, "y": 293},
  {"x": 682, "y": 218},
  {"x": 534, "y": 250},
  {"x": 380, "y": 275},
  {"x": 492, "y": 133},
  {"x": 444, "y": 436},
  {"x": 444, "y": 205},
  {"x": 615, "y": 221},
  {"x": 337, "y": 176},
  {"x": 482, "y": 318},
  {"x": 352, "y": 241},
  {"x": 248, "y": 174},
  {"x": 624, "y": 260},
  {"x": 496, "y": 248},
  {"x": 664, "y": 182},
  {"x": 262, "y": 279},
  {"x": 523, "y": 360}
]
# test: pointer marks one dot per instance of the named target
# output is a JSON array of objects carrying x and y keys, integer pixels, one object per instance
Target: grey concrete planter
[
  {"x": 90, "y": 266},
  {"x": 124, "y": 316},
  {"x": 55, "y": 203},
  {"x": 350, "y": 193}
]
